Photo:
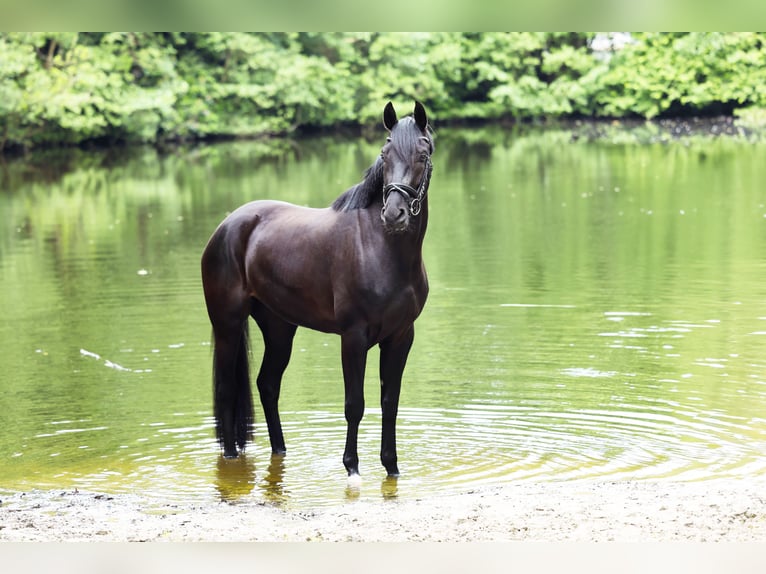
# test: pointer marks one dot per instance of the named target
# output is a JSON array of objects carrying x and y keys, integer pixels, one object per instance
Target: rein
[{"x": 415, "y": 195}]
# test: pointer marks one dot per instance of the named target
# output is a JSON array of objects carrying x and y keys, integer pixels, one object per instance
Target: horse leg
[
  {"x": 354, "y": 357},
  {"x": 393, "y": 357},
  {"x": 278, "y": 344}
]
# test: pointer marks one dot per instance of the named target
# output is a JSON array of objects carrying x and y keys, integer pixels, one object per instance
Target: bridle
[{"x": 415, "y": 196}]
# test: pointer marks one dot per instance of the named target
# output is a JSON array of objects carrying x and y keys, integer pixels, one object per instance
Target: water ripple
[{"x": 441, "y": 450}]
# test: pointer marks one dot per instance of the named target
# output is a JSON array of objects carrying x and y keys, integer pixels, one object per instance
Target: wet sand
[{"x": 706, "y": 511}]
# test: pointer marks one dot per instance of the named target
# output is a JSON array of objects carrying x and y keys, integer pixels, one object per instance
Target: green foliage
[
  {"x": 672, "y": 74},
  {"x": 69, "y": 88}
]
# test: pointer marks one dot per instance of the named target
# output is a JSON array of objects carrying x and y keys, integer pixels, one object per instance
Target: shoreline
[
  {"x": 590, "y": 128},
  {"x": 721, "y": 510}
]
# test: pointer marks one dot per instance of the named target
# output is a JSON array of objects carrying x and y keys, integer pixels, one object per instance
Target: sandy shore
[{"x": 731, "y": 511}]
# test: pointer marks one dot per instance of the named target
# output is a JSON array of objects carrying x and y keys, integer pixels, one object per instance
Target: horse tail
[
  {"x": 232, "y": 393},
  {"x": 228, "y": 308}
]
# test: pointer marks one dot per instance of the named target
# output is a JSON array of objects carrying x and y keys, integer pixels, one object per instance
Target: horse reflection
[
  {"x": 272, "y": 484},
  {"x": 235, "y": 478},
  {"x": 389, "y": 488}
]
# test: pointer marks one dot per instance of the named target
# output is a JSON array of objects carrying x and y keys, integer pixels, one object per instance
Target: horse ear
[
  {"x": 389, "y": 116},
  {"x": 420, "y": 116}
]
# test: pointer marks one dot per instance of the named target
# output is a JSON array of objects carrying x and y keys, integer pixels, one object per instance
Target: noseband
[{"x": 415, "y": 196}]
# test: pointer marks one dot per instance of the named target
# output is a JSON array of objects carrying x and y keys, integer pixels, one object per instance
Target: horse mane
[
  {"x": 404, "y": 135},
  {"x": 363, "y": 193}
]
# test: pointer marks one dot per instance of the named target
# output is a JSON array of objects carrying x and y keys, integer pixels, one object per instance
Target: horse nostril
[{"x": 395, "y": 219}]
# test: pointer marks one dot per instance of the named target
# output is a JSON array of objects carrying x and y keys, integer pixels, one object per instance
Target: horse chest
[
  {"x": 383, "y": 307},
  {"x": 402, "y": 307}
]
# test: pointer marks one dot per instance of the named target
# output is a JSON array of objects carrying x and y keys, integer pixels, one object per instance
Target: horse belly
[{"x": 297, "y": 309}]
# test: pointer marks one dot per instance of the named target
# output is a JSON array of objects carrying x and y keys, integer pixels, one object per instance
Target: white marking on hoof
[{"x": 355, "y": 480}]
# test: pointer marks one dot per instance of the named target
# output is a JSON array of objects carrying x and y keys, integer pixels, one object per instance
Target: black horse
[{"x": 354, "y": 269}]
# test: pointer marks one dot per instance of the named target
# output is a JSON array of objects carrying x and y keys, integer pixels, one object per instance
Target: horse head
[{"x": 406, "y": 167}]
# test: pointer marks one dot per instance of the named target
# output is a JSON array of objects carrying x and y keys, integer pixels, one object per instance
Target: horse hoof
[
  {"x": 392, "y": 470},
  {"x": 355, "y": 480}
]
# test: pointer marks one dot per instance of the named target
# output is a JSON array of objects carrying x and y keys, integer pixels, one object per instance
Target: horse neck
[{"x": 421, "y": 224}]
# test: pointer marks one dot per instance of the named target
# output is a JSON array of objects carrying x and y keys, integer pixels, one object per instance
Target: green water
[{"x": 597, "y": 311}]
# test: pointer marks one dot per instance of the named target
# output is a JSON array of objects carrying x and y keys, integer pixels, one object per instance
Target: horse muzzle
[{"x": 395, "y": 213}]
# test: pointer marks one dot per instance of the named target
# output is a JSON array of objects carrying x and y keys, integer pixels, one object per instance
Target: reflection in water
[
  {"x": 353, "y": 487},
  {"x": 389, "y": 488},
  {"x": 273, "y": 483},
  {"x": 353, "y": 491},
  {"x": 235, "y": 477}
]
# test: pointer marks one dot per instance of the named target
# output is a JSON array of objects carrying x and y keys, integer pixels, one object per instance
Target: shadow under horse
[{"x": 354, "y": 268}]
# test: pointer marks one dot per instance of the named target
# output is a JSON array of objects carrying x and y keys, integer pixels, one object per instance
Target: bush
[{"x": 68, "y": 88}]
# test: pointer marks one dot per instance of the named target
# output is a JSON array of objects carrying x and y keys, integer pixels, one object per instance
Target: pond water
[{"x": 597, "y": 312}]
